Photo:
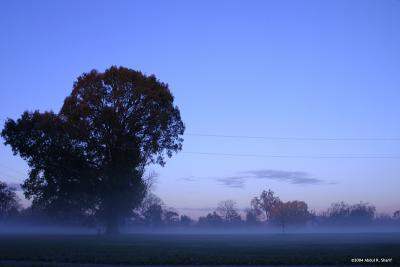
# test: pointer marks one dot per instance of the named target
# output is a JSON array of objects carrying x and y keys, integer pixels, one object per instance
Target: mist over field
[{"x": 267, "y": 214}]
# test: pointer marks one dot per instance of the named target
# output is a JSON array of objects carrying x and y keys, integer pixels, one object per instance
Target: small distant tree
[
  {"x": 255, "y": 209},
  {"x": 265, "y": 203},
  {"x": 212, "y": 219},
  {"x": 149, "y": 200},
  {"x": 9, "y": 202},
  {"x": 293, "y": 213},
  {"x": 383, "y": 219},
  {"x": 396, "y": 215},
  {"x": 251, "y": 217},
  {"x": 313, "y": 217},
  {"x": 342, "y": 213},
  {"x": 228, "y": 211},
  {"x": 338, "y": 211},
  {"x": 185, "y": 220},
  {"x": 171, "y": 217},
  {"x": 153, "y": 215},
  {"x": 278, "y": 215},
  {"x": 362, "y": 212},
  {"x": 298, "y": 212},
  {"x": 151, "y": 210}
]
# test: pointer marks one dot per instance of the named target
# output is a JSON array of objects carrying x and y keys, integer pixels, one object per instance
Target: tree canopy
[{"x": 90, "y": 157}]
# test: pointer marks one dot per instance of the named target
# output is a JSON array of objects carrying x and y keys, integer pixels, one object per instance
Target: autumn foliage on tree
[{"x": 294, "y": 213}]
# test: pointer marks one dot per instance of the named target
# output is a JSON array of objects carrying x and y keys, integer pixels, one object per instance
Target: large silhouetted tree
[{"x": 91, "y": 156}]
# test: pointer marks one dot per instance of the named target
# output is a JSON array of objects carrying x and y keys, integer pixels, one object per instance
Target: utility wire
[
  {"x": 292, "y": 139},
  {"x": 289, "y": 138},
  {"x": 295, "y": 138},
  {"x": 289, "y": 156}
]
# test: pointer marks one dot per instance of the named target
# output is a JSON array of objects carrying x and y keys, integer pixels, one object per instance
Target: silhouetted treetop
[{"x": 124, "y": 110}]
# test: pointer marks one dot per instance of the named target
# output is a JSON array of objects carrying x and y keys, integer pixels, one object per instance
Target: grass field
[{"x": 203, "y": 249}]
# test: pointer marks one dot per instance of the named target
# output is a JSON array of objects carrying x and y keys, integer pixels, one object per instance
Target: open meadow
[{"x": 253, "y": 249}]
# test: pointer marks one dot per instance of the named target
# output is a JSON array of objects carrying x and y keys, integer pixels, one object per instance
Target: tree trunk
[
  {"x": 112, "y": 227},
  {"x": 283, "y": 222},
  {"x": 112, "y": 218}
]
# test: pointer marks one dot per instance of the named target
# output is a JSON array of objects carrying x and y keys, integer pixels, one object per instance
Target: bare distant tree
[
  {"x": 153, "y": 215},
  {"x": 9, "y": 202},
  {"x": 396, "y": 215},
  {"x": 171, "y": 217},
  {"x": 149, "y": 200},
  {"x": 362, "y": 212},
  {"x": 185, "y": 220},
  {"x": 343, "y": 213},
  {"x": 151, "y": 210},
  {"x": 212, "y": 219},
  {"x": 228, "y": 211}
]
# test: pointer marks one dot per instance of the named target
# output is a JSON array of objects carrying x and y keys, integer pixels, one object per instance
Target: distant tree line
[{"x": 266, "y": 211}]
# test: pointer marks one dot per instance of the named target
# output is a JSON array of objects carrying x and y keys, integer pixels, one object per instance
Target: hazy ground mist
[{"x": 32, "y": 229}]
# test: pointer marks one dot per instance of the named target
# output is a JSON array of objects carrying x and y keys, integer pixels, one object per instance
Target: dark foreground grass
[{"x": 203, "y": 249}]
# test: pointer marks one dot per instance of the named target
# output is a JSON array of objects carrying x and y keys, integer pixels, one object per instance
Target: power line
[
  {"x": 290, "y": 156},
  {"x": 295, "y": 138},
  {"x": 289, "y": 138}
]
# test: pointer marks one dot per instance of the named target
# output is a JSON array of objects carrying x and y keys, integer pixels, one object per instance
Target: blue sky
[{"x": 325, "y": 69}]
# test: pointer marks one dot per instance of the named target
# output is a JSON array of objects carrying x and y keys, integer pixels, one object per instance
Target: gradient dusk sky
[{"x": 318, "y": 71}]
